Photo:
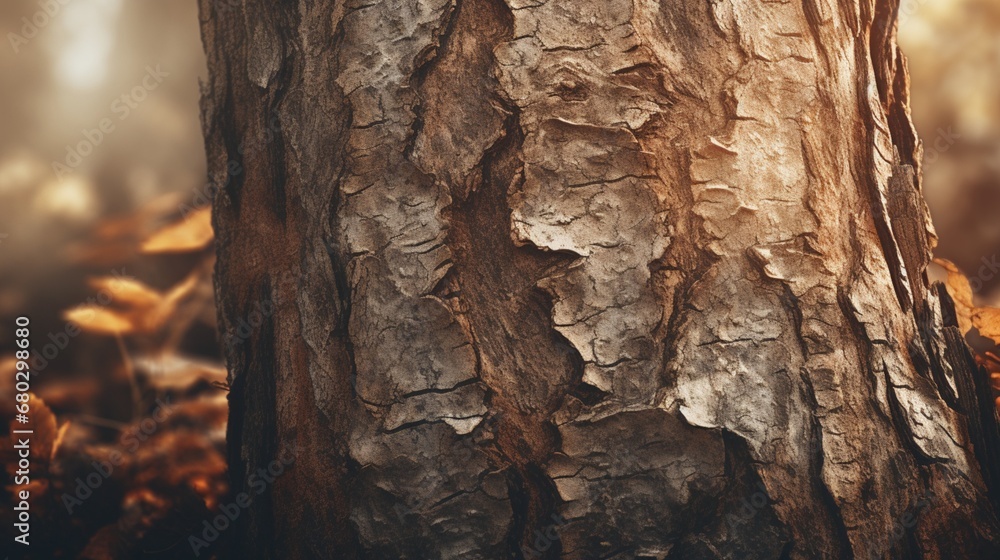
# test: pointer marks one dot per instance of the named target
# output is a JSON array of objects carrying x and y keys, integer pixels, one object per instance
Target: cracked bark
[{"x": 646, "y": 277}]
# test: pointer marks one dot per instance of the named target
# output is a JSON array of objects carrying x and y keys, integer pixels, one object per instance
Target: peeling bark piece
[
  {"x": 587, "y": 193},
  {"x": 908, "y": 213},
  {"x": 424, "y": 492},
  {"x": 403, "y": 345},
  {"x": 623, "y": 495}
]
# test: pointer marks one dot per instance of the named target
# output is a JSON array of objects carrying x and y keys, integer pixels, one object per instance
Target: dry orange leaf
[
  {"x": 992, "y": 362},
  {"x": 158, "y": 316},
  {"x": 191, "y": 234},
  {"x": 97, "y": 319},
  {"x": 182, "y": 289},
  {"x": 987, "y": 320},
  {"x": 146, "y": 310},
  {"x": 173, "y": 371},
  {"x": 127, "y": 291},
  {"x": 60, "y": 437},
  {"x": 961, "y": 292}
]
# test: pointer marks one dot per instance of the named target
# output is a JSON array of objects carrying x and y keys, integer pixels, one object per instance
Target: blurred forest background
[{"x": 100, "y": 243}]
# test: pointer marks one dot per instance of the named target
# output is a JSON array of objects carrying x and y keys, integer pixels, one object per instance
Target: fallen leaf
[
  {"x": 993, "y": 357},
  {"x": 97, "y": 319},
  {"x": 177, "y": 372},
  {"x": 127, "y": 291},
  {"x": 987, "y": 320},
  {"x": 155, "y": 318},
  {"x": 191, "y": 234},
  {"x": 142, "y": 309},
  {"x": 60, "y": 437}
]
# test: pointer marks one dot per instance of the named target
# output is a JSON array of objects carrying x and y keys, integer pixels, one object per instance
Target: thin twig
[
  {"x": 130, "y": 372},
  {"x": 98, "y": 421}
]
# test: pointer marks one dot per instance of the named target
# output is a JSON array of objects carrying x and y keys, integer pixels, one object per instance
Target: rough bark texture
[{"x": 646, "y": 276}]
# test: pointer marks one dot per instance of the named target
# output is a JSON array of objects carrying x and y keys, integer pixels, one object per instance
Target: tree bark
[{"x": 586, "y": 279}]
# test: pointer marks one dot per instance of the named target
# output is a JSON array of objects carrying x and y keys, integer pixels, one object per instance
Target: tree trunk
[{"x": 585, "y": 279}]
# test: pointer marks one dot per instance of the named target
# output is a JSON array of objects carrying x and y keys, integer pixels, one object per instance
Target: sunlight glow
[{"x": 86, "y": 38}]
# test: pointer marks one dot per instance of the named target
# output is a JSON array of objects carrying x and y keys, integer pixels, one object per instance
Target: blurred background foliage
[{"x": 953, "y": 48}]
